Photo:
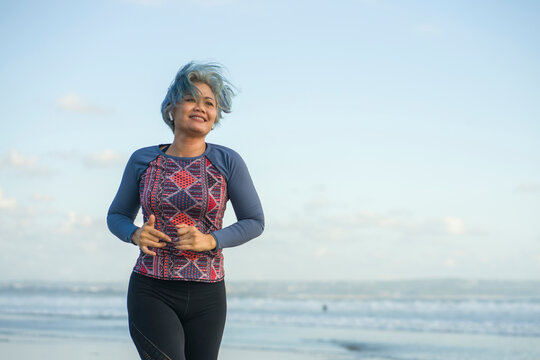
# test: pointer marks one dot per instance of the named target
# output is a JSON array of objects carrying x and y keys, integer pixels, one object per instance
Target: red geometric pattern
[
  {"x": 183, "y": 179},
  {"x": 179, "y": 191},
  {"x": 211, "y": 203},
  {"x": 182, "y": 218}
]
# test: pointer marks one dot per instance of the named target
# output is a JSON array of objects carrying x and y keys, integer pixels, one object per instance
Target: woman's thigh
[
  {"x": 154, "y": 325},
  {"x": 204, "y": 321}
]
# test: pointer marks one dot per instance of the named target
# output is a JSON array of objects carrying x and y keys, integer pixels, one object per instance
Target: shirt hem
[{"x": 179, "y": 279}]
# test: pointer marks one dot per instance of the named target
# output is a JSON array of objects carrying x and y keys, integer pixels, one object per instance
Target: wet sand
[{"x": 92, "y": 349}]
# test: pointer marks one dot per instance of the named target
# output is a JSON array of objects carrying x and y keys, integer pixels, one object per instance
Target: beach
[
  {"x": 402, "y": 320},
  {"x": 64, "y": 349},
  {"x": 362, "y": 345}
]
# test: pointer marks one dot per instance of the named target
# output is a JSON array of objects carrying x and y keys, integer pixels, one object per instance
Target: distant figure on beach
[{"x": 176, "y": 298}]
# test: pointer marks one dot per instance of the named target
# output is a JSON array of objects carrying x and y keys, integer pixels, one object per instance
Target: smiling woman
[
  {"x": 195, "y": 116},
  {"x": 186, "y": 84},
  {"x": 176, "y": 295}
]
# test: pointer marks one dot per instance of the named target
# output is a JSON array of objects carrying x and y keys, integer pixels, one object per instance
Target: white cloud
[
  {"x": 23, "y": 163},
  {"x": 321, "y": 230},
  {"x": 75, "y": 103},
  {"x": 366, "y": 219},
  {"x": 106, "y": 157},
  {"x": 75, "y": 221},
  {"x": 6, "y": 203},
  {"x": 321, "y": 252},
  {"x": 454, "y": 225},
  {"x": 449, "y": 262},
  {"x": 64, "y": 154}
]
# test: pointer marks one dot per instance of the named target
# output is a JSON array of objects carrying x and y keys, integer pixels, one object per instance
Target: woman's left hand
[{"x": 190, "y": 238}]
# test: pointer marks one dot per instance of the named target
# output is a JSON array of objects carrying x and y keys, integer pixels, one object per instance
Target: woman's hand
[
  {"x": 190, "y": 238},
  {"x": 147, "y": 235}
]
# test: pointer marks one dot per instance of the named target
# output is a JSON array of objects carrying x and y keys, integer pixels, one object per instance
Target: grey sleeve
[
  {"x": 246, "y": 204},
  {"x": 126, "y": 203}
]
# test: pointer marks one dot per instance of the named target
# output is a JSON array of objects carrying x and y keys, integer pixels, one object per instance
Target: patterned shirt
[{"x": 192, "y": 191}]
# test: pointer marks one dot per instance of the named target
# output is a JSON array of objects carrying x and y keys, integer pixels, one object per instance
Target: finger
[
  {"x": 185, "y": 226},
  {"x": 155, "y": 235},
  {"x": 155, "y": 244},
  {"x": 151, "y": 221},
  {"x": 147, "y": 251},
  {"x": 159, "y": 235},
  {"x": 149, "y": 237}
]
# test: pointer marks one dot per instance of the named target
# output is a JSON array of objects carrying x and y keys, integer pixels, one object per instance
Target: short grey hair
[{"x": 183, "y": 84}]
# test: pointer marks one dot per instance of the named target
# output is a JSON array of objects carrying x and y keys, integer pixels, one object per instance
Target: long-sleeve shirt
[{"x": 192, "y": 191}]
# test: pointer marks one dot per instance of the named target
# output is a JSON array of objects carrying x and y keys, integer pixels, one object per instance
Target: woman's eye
[
  {"x": 190, "y": 99},
  {"x": 210, "y": 103}
]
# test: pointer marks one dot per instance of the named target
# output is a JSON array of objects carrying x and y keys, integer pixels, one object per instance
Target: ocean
[{"x": 394, "y": 320}]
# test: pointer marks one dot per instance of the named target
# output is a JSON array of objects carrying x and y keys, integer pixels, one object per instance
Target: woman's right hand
[{"x": 147, "y": 235}]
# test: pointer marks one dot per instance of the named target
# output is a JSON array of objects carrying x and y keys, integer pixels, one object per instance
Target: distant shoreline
[{"x": 331, "y": 290}]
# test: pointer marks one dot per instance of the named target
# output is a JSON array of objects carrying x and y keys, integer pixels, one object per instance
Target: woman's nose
[{"x": 199, "y": 106}]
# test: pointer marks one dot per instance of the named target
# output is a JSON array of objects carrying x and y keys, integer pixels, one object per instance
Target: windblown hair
[{"x": 183, "y": 84}]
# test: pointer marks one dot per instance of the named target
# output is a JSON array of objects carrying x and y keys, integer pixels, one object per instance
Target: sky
[{"x": 386, "y": 139}]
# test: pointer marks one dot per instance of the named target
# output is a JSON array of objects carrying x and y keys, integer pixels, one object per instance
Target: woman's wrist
[
  {"x": 213, "y": 242},
  {"x": 135, "y": 237}
]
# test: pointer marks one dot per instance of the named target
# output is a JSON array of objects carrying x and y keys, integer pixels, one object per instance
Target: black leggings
[{"x": 174, "y": 319}]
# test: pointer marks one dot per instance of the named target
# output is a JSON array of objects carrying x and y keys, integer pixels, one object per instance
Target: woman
[{"x": 176, "y": 297}]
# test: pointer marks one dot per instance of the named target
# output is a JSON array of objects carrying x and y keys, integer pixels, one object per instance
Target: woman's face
[{"x": 196, "y": 117}]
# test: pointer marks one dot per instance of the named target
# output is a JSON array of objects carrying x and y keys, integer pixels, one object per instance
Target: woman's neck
[{"x": 183, "y": 146}]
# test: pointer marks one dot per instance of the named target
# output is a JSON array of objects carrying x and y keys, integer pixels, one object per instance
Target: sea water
[{"x": 421, "y": 320}]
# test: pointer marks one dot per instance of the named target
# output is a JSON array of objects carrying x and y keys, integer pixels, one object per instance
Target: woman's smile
[{"x": 198, "y": 118}]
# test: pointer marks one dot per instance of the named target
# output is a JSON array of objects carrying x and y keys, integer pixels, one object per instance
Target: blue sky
[{"x": 387, "y": 139}]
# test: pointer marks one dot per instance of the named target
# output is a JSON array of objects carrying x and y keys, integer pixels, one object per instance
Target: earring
[{"x": 172, "y": 119}]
